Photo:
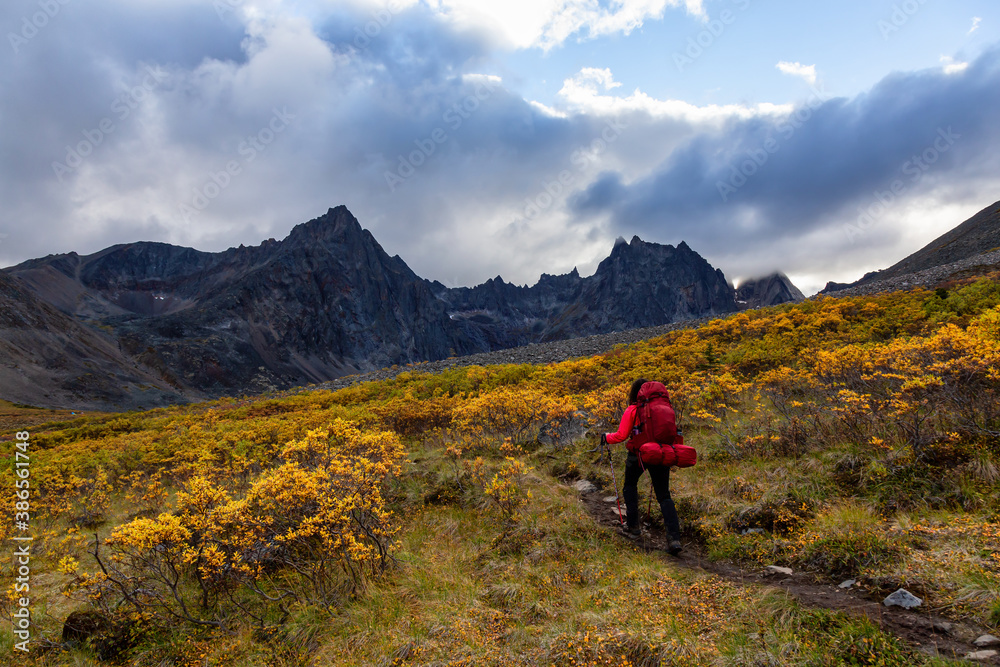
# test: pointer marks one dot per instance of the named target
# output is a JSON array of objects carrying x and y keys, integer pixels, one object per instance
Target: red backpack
[{"x": 656, "y": 441}]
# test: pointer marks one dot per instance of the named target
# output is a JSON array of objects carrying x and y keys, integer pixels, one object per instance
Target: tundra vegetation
[{"x": 427, "y": 519}]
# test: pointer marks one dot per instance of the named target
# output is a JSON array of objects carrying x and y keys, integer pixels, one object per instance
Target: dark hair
[{"x": 633, "y": 393}]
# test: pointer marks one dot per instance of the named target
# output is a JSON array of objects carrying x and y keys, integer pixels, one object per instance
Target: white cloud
[
  {"x": 808, "y": 73},
  {"x": 952, "y": 67},
  {"x": 547, "y": 110},
  {"x": 591, "y": 77},
  {"x": 975, "y": 24},
  {"x": 581, "y": 94},
  {"x": 490, "y": 80},
  {"x": 548, "y": 23},
  {"x": 286, "y": 61}
]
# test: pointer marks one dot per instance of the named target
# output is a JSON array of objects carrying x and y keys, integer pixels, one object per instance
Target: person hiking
[{"x": 631, "y": 429}]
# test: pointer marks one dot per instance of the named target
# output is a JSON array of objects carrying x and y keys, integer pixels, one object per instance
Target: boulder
[
  {"x": 903, "y": 598},
  {"x": 980, "y": 655}
]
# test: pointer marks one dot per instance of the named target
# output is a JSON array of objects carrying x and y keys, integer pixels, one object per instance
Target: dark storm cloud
[
  {"x": 183, "y": 32},
  {"x": 359, "y": 105},
  {"x": 758, "y": 180},
  {"x": 397, "y": 115},
  {"x": 409, "y": 44},
  {"x": 75, "y": 71}
]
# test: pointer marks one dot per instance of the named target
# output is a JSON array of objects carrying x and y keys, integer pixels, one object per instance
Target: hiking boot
[
  {"x": 674, "y": 547},
  {"x": 631, "y": 532}
]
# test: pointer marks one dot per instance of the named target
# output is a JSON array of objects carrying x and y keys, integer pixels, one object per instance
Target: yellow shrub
[
  {"x": 310, "y": 529},
  {"x": 504, "y": 487},
  {"x": 409, "y": 416},
  {"x": 511, "y": 413}
]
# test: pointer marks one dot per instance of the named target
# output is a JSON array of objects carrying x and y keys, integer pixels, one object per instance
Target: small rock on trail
[
  {"x": 903, "y": 598},
  {"x": 981, "y": 655}
]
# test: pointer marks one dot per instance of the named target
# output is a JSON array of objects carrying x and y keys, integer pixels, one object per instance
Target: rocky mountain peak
[
  {"x": 336, "y": 225},
  {"x": 768, "y": 291},
  {"x": 575, "y": 273},
  {"x": 638, "y": 255},
  {"x": 637, "y": 248}
]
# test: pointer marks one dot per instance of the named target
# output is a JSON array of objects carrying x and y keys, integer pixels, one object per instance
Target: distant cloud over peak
[{"x": 799, "y": 181}]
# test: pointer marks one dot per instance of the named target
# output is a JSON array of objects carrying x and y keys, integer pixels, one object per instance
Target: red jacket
[{"x": 625, "y": 428}]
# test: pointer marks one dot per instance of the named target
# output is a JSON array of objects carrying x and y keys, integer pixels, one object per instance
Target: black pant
[{"x": 661, "y": 486}]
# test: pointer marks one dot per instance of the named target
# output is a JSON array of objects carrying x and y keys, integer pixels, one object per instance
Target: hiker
[{"x": 630, "y": 429}]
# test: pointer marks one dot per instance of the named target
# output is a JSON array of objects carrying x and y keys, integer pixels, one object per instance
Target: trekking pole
[{"x": 611, "y": 462}]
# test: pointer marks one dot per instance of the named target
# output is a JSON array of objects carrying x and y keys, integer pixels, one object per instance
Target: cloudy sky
[{"x": 477, "y": 138}]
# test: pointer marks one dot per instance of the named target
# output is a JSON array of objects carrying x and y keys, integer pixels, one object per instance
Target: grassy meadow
[{"x": 429, "y": 519}]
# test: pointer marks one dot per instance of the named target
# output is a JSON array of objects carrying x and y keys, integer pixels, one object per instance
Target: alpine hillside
[
  {"x": 978, "y": 235},
  {"x": 328, "y": 301}
]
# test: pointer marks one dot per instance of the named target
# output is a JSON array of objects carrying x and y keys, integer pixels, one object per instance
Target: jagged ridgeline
[
  {"x": 325, "y": 302},
  {"x": 463, "y": 517}
]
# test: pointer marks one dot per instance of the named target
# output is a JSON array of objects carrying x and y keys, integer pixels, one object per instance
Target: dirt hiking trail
[{"x": 930, "y": 634}]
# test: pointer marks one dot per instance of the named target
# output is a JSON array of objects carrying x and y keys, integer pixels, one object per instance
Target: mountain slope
[
  {"x": 977, "y": 235},
  {"x": 328, "y": 301},
  {"x": 48, "y": 358}
]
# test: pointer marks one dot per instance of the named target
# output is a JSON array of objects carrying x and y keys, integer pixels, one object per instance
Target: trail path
[{"x": 931, "y": 634}]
